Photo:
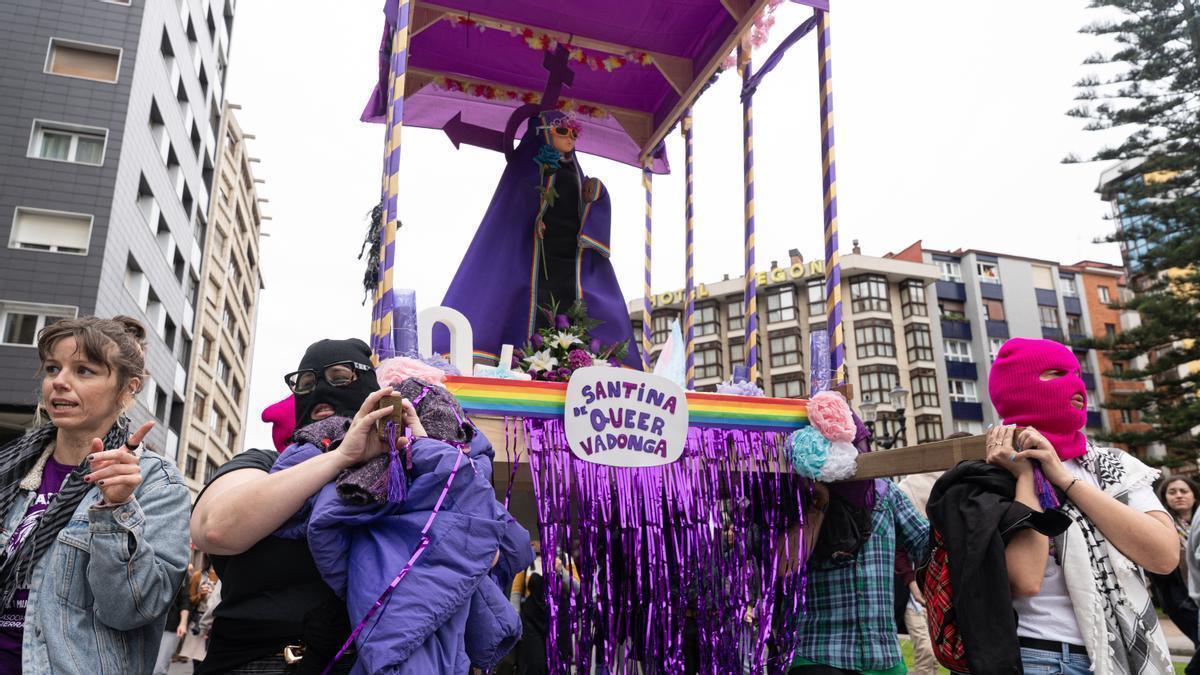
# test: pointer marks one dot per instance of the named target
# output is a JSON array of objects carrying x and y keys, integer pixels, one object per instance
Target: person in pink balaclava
[{"x": 1080, "y": 599}]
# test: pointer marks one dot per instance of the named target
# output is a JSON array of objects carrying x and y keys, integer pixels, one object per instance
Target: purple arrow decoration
[{"x": 461, "y": 132}]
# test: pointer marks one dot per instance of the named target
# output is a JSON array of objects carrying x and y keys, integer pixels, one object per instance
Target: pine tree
[{"x": 1155, "y": 95}]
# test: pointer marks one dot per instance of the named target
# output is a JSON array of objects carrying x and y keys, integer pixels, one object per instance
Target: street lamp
[{"x": 869, "y": 410}]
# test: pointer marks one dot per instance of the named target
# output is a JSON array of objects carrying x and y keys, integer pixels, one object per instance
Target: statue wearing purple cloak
[{"x": 504, "y": 275}]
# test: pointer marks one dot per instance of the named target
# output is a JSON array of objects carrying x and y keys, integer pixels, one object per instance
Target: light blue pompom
[{"x": 809, "y": 450}]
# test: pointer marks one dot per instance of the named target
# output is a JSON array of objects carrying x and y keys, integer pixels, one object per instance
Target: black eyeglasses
[{"x": 340, "y": 374}]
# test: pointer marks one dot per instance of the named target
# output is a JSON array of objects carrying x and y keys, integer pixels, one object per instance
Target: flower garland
[
  {"x": 759, "y": 32},
  {"x": 553, "y": 353},
  {"x": 549, "y": 43},
  {"x": 492, "y": 93}
]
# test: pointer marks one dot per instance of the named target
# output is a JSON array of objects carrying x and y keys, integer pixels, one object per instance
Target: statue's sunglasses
[{"x": 340, "y": 374}]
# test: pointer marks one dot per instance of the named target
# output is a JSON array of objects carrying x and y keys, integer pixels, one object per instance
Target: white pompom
[{"x": 841, "y": 463}]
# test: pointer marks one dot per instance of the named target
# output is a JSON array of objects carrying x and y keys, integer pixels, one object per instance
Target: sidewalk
[{"x": 1179, "y": 643}]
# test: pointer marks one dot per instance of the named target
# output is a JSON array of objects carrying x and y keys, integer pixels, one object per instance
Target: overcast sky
[{"x": 950, "y": 128}]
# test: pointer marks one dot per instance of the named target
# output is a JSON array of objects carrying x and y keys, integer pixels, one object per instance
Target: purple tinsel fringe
[
  {"x": 397, "y": 484},
  {"x": 1047, "y": 497},
  {"x": 714, "y": 538}
]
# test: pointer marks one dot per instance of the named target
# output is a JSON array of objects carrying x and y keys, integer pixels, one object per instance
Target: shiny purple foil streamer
[{"x": 714, "y": 538}]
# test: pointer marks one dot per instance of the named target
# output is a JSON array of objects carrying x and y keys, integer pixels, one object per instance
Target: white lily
[
  {"x": 564, "y": 341},
  {"x": 599, "y": 362},
  {"x": 542, "y": 360}
]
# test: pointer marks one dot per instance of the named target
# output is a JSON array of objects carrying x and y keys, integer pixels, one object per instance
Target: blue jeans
[{"x": 1055, "y": 663}]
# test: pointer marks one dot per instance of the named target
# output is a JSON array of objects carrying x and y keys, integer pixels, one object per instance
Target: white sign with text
[{"x": 625, "y": 418}]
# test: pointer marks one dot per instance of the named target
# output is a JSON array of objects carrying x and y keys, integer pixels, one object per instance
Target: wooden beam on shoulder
[{"x": 934, "y": 456}]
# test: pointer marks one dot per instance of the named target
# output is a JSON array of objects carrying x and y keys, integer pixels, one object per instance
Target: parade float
[{"x": 679, "y": 512}]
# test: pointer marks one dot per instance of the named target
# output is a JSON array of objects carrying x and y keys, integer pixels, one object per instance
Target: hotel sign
[{"x": 771, "y": 277}]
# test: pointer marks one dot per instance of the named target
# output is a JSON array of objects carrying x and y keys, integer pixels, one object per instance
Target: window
[
  {"x": 924, "y": 388},
  {"x": 963, "y": 391},
  {"x": 193, "y": 460},
  {"x": 216, "y": 421},
  {"x": 206, "y": 343},
  {"x": 912, "y": 299},
  {"x": 869, "y": 293},
  {"x": 781, "y": 305},
  {"x": 792, "y": 387},
  {"x": 929, "y": 428},
  {"x": 199, "y": 402},
  {"x": 1102, "y": 292},
  {"x": 210, "y": 470},
  {"x": 1042, "y": 277},
  {"x": 661, "y": 327},
  {"x": 737, "y": 354},
  {"x": 1048, "y": 316},
  {"x": 1118, "y": 368},
  {"x": 239, "y": 344},
  {"x": 994, "y": 345},
  {"x": 874, "y": 337},
  {"x": 957, "y": 350},
  {"x": 1110, "y": 330},
  {"x": 919, "y": 341},
  {"x": 816, "y": 299},
  {"x": 951, "y": 311},
  {"x": 706, "y": 320},
  {"x": 785, "y": 350},
  {"x": 989, "y": 272},
  {"x": 53, "y": 231},
  {"x": 86, "y": 61},
  {"x": 1075, "y": 324},
  {"x": 230, "y": 437},
  {"x": 235, "y": 391},
  {"x": 21, "y": 322},
  {"x": 736, "y": 315},
  {"x": 993, "y": 310},
  {"x": 968, "y": 426},
  {"x": 1068, "y": 287},
  {"x": 223, "y": 369},
  {"x": 1127, "y": 417},
  {"x": 229, "y": 319},
  {"x": 233, "y": 273},
  {"x": 160, "y": 404},
  {"x": 67, "y": 143},
  {"x": 951, "y": 271},
  {"x": 708, "y": 363},
  {"x": 876, "y": 381}
]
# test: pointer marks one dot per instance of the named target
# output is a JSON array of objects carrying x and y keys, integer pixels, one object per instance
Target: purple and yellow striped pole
[
  {"x": 833, "y": 263},
  {"x": 689, "y": 289},
  {"x": 647, "y": 311},
  {"x": 383, "y": 336},
  {"x": 750, "y": 304}
]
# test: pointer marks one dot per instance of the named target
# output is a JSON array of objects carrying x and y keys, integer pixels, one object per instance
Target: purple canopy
[{"x": 636, "y": 64}]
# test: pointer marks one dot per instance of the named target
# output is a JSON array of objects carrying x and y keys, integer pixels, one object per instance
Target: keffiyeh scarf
[{"x": 1107, "y": 589}]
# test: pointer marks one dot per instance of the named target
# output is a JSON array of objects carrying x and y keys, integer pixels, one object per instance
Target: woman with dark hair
[
  {"x": 93, "y": 543},
  {"x": 1181, "y": 496}
]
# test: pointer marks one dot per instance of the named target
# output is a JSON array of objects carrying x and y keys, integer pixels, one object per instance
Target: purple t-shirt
[{"x": 12, "y": 619}]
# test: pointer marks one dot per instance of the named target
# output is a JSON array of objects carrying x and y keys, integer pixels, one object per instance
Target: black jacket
[{"x": 972, "y": 506}]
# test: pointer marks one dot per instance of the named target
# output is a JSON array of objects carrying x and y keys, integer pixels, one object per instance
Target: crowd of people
[{"x": 1049, "y": 556}]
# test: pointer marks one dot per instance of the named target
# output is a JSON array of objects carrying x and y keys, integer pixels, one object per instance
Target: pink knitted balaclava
[
  {"x": 281, "y": 415},
  {"x": 1023, "y": 398}
]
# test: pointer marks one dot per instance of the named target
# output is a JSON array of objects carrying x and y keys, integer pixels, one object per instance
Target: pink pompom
[
  {"x": 281, "y": 415},
  {"x": 830, "y": 414},
  {"x": 395, "y": 370}
]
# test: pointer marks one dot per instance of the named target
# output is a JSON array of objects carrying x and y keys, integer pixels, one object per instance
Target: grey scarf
[{"x": 17, "y": 459}]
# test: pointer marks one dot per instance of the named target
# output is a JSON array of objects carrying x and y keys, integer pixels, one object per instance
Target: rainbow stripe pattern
[{"x": 517, "y": 398}]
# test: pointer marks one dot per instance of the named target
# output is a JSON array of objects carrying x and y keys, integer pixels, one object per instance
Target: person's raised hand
[
  {"x": 361, "y": 442},
  {"x": 1002, "y": 453},
  {"x": 1031, "y": 444},
  {"x": 116, "y": 471}
]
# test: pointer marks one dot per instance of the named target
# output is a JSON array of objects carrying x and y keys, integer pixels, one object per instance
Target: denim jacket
[{"x": 98, "y": 598}]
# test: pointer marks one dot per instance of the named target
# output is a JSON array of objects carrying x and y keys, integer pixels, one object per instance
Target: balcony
[
  {"x": 962, "y": 410},
  {"x": 1095, "y": 419},
  {"x": 1072, "y": 305},
  {"x": 962, "y": 370},
  {"x": 1046, "y": 297},
  {"x": 991, "y": 291},
  {"x": 1077, "y": 338},
  {"x": 997, "y": 329},
  {"x": 957, "y": 329},
  {"x": 1055, "y": 334},
  {"x": 952, "y": 290},
  {"x": 1089, "y": 381}
]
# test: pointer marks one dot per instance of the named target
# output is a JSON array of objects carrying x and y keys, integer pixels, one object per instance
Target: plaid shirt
[{"x": 847, "y": 621}]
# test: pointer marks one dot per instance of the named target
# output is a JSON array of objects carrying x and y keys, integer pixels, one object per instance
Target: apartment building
[
  {"x": 215, "y": 408},
  {"x": 108, "y": 141},
  {"x": 985, "y": 298},
  {"x": 892, "y": 336}
]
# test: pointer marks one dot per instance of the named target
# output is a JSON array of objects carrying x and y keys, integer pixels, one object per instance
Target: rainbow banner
[{"x": 519, "y": 398}]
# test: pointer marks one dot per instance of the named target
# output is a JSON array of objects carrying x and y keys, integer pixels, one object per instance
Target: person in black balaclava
[
  {"x": 334, "y": 378},
  {"x": 275, "y": 608}
]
